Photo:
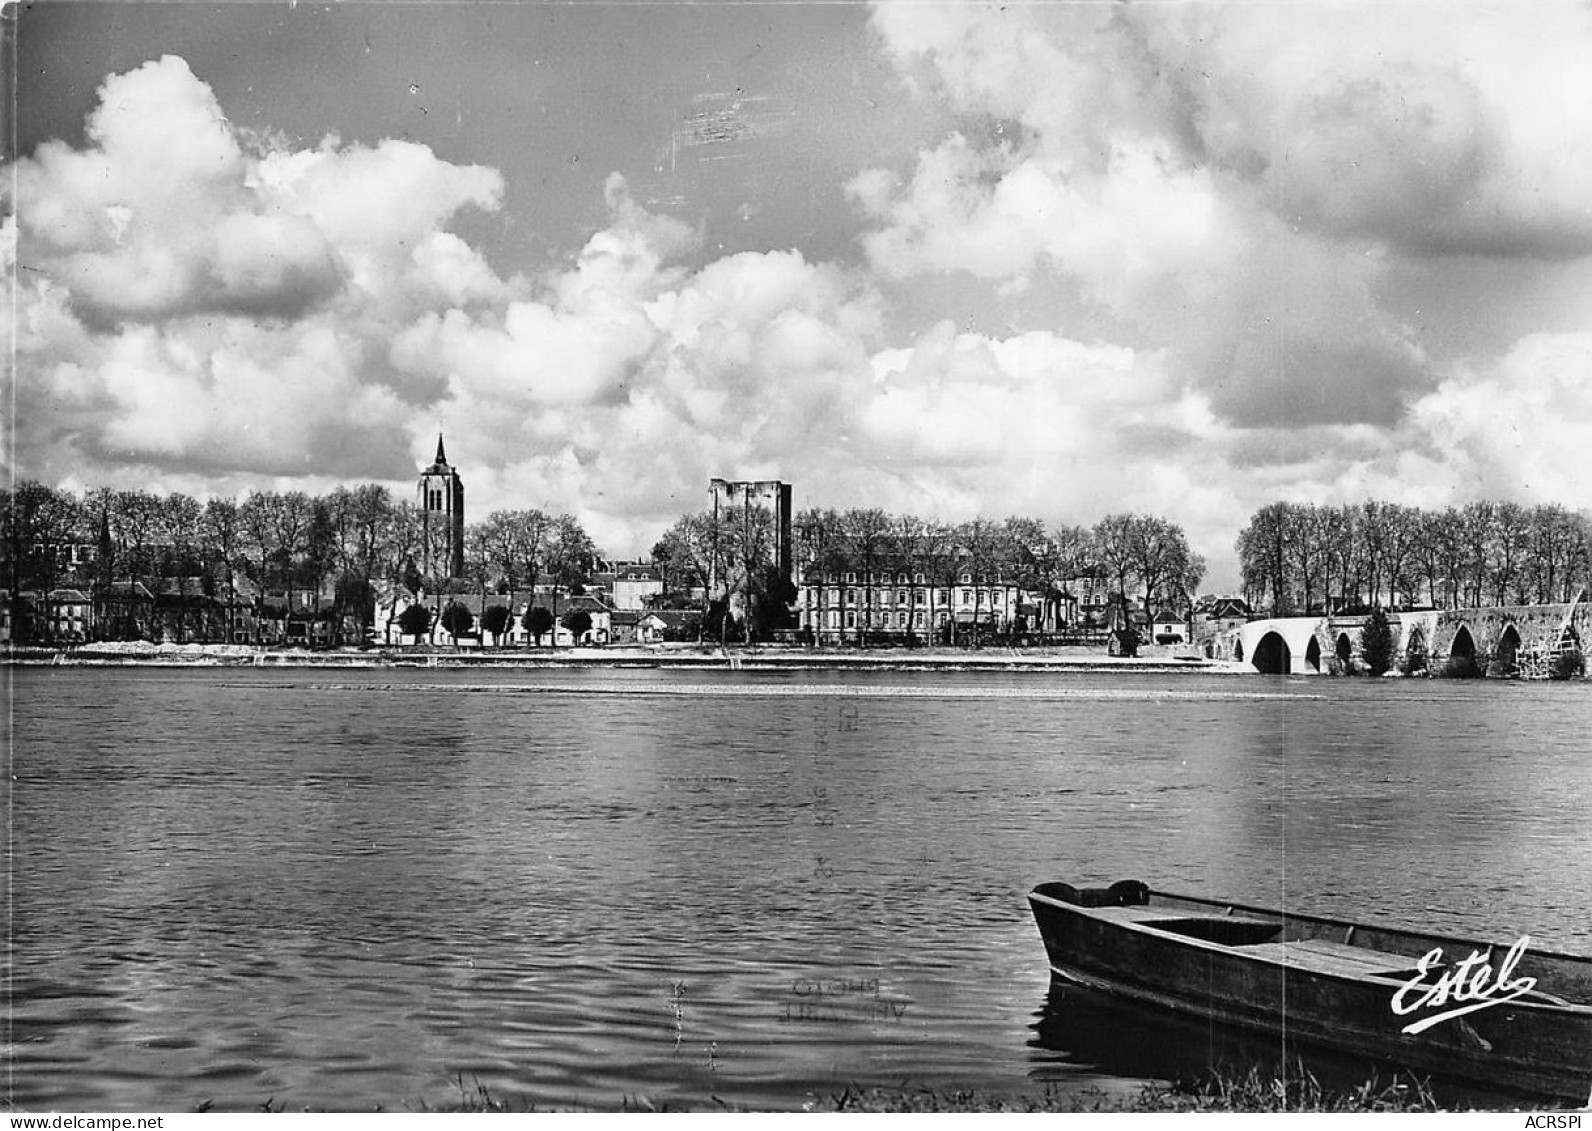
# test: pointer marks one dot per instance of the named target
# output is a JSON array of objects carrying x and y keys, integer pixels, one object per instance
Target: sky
[{"x": 1051, "y": 259}]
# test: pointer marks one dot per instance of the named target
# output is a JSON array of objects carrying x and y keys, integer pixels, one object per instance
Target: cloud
[
  {"x": 1219, "y": 182},
  {"x": 194, "y": 300},
  {"x": 1513, "y": 427},
  {"x": 247, "y": 313}
]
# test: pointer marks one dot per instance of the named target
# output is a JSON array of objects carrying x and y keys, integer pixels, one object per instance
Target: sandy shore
[{"x": 735, "y": 658}]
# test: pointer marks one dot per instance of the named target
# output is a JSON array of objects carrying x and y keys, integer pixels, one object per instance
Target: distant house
[
  {"x": 515, "y": 634},
  {"x": 185, "y": 612},
  {"x": 633, "y": 583},
  {"x": 1214, "y": 615},
  {"x": 125, "y": 610},
  {"x": 69, "y": 615},
  {"x": 671, "y": 625},
  {"x": 899, "y": 600},
  {"x": 1083, "y": 600},
  {"x": 1168, "y": 627},
  {"x": 1122, "y": 642}
]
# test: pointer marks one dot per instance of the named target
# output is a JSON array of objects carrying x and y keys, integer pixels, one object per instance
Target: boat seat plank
[
  {"x": 1135, "y": 914},
  {"x": 1334, "y": 957}
]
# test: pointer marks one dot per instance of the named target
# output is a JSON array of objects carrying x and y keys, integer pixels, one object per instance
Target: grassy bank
[
  {"x": 1215, "y": 1093},
  {"x": 1249, "y": 1093}
]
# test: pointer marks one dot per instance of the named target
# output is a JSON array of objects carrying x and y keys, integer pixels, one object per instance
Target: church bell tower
[{"x": 442, "y": 516}]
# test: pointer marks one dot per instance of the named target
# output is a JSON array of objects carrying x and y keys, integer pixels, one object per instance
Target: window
[
  {"x": 967, "y": 579},
  {"x": 851, "y": 577},
  {"x": 901, "y": 596},
  {"x": 945, "y": 596},
  {"x": 917, "y": 620},
  {"x": 917, "y": 579},
  {"x": 851, "y": 596},
  {"x": 851, "y": 620},
  {"x": 967, "y": 596}
]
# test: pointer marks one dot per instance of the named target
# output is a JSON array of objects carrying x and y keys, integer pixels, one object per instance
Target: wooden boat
[{"x": 1504, "y": 1015}]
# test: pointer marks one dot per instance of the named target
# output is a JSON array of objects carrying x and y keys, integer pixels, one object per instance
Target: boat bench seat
[
  {"x": 1140, "y": 914},
  {"x": 1335, "y": 957}
]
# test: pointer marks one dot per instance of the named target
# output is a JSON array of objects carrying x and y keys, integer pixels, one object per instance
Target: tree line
[
  {"x": 1303, "y": 558},
  {"x": 345, "y": 543},
  {"x": 1139, "y": 557},
  {"x": 353, "y": 541}
]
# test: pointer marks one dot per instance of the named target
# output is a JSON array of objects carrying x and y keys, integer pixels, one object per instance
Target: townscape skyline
[{"x": 954, "y": 260}]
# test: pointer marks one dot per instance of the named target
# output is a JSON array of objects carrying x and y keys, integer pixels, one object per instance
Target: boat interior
[{"x": 1300, "y": 942}]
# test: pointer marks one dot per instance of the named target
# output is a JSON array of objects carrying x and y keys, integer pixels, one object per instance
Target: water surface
[{"x": 356, "y": 890}]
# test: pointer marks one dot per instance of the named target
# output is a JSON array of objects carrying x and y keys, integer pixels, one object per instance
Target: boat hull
[{"x": 1280, "y": 975}]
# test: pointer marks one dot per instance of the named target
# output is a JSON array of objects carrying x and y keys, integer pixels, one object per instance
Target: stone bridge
[{"x": 1509, "y": 640}]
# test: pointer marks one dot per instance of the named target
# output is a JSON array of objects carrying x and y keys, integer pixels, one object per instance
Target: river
[{"x": 351, "y": 890}]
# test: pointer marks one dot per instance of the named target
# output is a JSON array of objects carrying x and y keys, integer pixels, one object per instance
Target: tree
[
  {"x": 1376, "y": 642},
  {"x": 538, "y": 622},
  {"x": 821, "y": 552},
  {"x": 367, "y": 517},
  {"x": 40, "y": 524},
  {"x": 222, "y": 536},
  {"x": 686, "y": 550},
  {"x": 1113, "y": 539},
  {"x": 940, "y": 560},
  {"x": 515, "y": 543},
  {"x": 867, "y": 533},
  {"x": 1162, "y": 560},
  {"x": 578, "y": 621},
  {"x": 496, "y": 619},
  {"x": 458, "y": 620},
  {"x": 978, "y": 545},
  {"x": 415, "y": 621},
  {"x": 1263, "y": 555},
  {"x": 570, "y": 554},
  {"x": 1072, "y": 555}
]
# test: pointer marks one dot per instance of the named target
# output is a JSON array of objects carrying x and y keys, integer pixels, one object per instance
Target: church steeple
[{"x": 441, "y": 498}]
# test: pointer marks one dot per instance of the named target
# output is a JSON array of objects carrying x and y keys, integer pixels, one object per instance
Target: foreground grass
[
  {"x": 1249, "y": 1093},
  {"x": 1215, "y": 1093}
]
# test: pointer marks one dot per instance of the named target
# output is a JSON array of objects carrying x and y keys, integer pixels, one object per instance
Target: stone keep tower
[{"x": 442, "y": 516}]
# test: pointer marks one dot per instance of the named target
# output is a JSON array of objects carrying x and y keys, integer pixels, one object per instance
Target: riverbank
[
  {"x": 734, "y": 658},
  {"x": 1247, "y": 1092}
]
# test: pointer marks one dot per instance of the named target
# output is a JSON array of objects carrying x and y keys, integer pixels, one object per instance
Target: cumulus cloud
[
  {"x": 1213, "y": 177},
  {"x": 195, "y": 300},
  {"x": 1515, "y": 426},
  {"x": 228, "y": 311}
]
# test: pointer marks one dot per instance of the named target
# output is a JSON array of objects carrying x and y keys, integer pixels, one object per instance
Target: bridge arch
[
  {"x": 1344, "y": 649},
  {"x": 1313, "y": 654},
  {"x": 1415, "y": 650},
  {"x": 1272, "y": 656},
  {"x": 1506, "y": 657},
  {"x": 1462, "y": 654}
]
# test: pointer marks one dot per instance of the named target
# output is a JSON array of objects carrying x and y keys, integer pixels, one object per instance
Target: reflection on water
[
  {"x": 1083, "y": 1031},
  {"x": 590, "y": 886}
]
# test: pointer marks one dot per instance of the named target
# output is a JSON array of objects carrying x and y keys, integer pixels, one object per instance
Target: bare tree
[{"x": 868, "y": 536}]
